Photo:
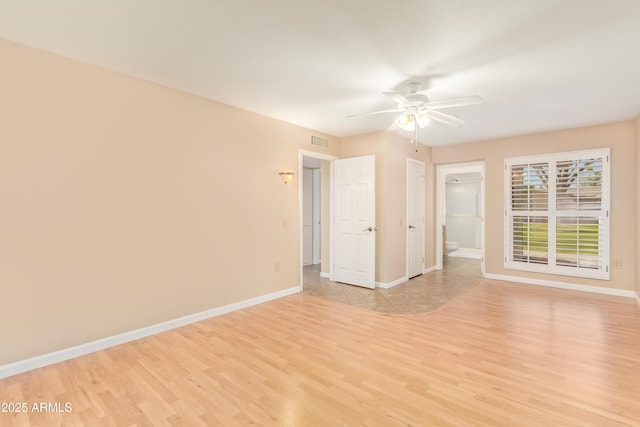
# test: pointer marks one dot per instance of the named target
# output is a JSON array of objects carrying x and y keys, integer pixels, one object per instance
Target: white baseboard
[
  {"x": 562, "y": 285},
  {"x": 402, "y": 279},
  {"x": 465, "y": 255},
  {"x": 638, "y": 299},
  {"x": 391, "y": 284},
  {"x": 327, "y": 275},
  {"x": 90, "y": 347}
]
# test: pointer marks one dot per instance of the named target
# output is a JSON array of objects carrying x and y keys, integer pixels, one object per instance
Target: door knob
[
  {"x": 411, "y": 227},
  {"x": 370, "y": 229}
]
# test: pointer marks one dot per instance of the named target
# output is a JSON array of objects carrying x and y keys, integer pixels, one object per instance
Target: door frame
[
  {"x": 320, "y": 156},
  {"x": 307, "y": 203},
  {"x": 424, "y": 187},
  {"x": 441, "y": 174},
  {"x": 316, "y": 217}
]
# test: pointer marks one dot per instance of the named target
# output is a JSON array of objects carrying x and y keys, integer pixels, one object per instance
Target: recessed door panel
[{"x": 354, "y": 234}]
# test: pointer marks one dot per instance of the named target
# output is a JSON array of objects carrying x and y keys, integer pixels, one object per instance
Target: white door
[
  {"x": 354, "y": 219},
  {"x": 415, "y": 218}
]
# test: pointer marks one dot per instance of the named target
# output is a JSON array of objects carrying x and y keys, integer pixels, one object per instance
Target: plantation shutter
[{"x": 557, "y": 213}]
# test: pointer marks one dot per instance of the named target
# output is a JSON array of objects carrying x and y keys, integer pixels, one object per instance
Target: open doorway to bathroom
[{"x": 460, "y": 213}]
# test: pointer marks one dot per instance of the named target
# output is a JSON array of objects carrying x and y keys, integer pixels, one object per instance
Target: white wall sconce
[{"x": 286, "y": 177}]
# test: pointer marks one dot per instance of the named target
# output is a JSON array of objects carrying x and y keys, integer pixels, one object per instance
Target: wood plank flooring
[{"x": 499, "y": 354}]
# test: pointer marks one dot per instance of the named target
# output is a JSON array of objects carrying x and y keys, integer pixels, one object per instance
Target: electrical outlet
[
  {"x": 276, "y": 267},
  {"x": 617, "y": 264}
]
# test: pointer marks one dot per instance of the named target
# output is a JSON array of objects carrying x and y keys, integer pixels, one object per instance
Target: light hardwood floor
[{"x": 499, "y": 354}]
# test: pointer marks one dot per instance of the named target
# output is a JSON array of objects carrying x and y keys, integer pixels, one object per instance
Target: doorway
[
  {"x": 460, "y": 212},
  {"x": 311, "y": 211},
  {"x": 315, "y": 196}
]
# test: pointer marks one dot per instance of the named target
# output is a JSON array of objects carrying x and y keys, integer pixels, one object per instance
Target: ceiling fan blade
[
  {"x": 444, "y": 118},
  {"x": 398, "y": 97},
  {"x": 395, "y": 110},
  {"x": 454, "y": 102}
]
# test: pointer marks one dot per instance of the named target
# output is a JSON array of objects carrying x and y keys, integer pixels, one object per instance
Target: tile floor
[{"x": 420, "y": 294}]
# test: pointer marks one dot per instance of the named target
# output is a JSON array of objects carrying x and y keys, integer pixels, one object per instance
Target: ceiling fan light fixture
[
  {"x": 417, "y": 111},
  {"x": 406, "y": 121},
  {"x": 409, "y": 120},
  {"x": 422, "y": 119}
]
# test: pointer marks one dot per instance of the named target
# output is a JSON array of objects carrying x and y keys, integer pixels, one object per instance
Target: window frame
[{"x": 552, "y": 213}]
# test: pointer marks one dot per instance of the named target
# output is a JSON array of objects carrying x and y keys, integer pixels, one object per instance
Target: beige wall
[
  {"x": 621, "y": 137},
  {"x": 430, "y": 211},
  {"x": 391, "y": 151},
  {"x": 125, "y": 203},
  {"x": 399, "y": 149},
  {"x": 361, "y": 145}
]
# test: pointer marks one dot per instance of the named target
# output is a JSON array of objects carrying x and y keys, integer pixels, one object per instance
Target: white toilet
[{"x": 451, "y": 247}]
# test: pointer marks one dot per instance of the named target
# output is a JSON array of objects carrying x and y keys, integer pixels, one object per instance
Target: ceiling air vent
[{"x": 319, "y": 142}]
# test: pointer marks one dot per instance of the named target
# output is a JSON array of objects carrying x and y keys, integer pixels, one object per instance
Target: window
[{"x": 557, "y": 213}]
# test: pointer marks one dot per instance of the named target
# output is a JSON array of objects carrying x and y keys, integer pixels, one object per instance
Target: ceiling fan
[{"x": 418, "y": 110}]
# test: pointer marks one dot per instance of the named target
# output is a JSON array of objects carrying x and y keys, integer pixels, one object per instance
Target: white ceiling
[{"x": 538, "y": 64}]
